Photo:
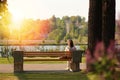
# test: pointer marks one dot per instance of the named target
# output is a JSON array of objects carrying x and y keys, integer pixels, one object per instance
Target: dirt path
[{"x": 8, "y": 68}]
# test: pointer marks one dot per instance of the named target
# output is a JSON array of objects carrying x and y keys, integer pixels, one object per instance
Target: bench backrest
[
  {"x": 75, "y": 54},
  {"x": 45, "y": 54}
]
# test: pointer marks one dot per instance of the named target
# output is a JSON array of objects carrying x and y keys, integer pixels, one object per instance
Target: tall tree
[
  {"x": 95, "y": 23},
  {"x": 53, "y": 22},
  {"x": 5, "y": 17},
  {"x": 108, "y": 19}
]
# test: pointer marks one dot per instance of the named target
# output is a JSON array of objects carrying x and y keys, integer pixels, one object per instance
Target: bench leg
[
  {"x": 75, "y": 66},
  {"x": 18, "y": 61}
]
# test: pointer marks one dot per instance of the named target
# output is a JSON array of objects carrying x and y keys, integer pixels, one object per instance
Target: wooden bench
[{"x": 21, "y": 56}]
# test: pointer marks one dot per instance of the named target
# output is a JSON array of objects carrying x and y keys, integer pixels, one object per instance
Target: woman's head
[{"x": 70, "y": 43}]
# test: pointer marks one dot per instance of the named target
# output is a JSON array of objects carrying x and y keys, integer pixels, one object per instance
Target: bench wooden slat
[
  {"x": 46, "y": 59},
  {"x": 59, "y": 52},
  {"x": 45, "y": 52},
  {"x": 44, "y": 55}
]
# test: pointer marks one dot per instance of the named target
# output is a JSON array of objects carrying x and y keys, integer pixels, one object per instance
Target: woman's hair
[{"x": 70, "y": 43}]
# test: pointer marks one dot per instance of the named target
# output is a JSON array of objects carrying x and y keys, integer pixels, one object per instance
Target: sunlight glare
[
  {"x": 17, "y": 17},
  {"x": 16, "y": 21}
]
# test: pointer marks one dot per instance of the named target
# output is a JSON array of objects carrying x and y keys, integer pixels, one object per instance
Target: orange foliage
[{"x": 32, "y": 30}]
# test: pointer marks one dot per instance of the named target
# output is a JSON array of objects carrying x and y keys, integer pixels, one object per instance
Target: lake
[{"x": 41, "y": 47}]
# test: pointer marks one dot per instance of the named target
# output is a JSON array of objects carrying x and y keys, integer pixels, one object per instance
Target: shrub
[{"x": 103, "y": 61}]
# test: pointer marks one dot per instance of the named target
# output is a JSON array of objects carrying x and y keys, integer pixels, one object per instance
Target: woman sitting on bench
[{"x": 70, "y": 47}]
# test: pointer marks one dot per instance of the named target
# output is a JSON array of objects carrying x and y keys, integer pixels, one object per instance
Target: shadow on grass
[{"x": 51, "y": 75}]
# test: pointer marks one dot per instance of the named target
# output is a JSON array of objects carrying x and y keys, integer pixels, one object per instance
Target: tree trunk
[
  {"x": 94, "y": 23},
  {"x": 108, "y": 21}
]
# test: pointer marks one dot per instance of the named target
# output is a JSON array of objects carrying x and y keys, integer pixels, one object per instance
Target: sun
[{"x": 17, "y": 16}]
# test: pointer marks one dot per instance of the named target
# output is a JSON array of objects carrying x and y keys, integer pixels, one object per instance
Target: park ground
[
  {"x": 41, "y": 72},
  {"x": 45, "y": 72}
]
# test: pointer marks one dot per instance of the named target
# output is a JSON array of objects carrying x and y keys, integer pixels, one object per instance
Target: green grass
[
  {"x": 51, "y": 76},
  {"x": 6, "y": 60},
  {"x": 10, "y": 61},
  {"x": 46, "y": 76}
]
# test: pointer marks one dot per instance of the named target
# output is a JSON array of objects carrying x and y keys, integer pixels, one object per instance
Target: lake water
[
  {"x": 7, "y": 50},
  {"x": 41, "y": 47}
]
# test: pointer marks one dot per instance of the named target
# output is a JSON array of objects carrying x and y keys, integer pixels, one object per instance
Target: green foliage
[
  {"x": 5, "y": 18},
  {"x": 103, "y": 62},
  {"x": 67, "y": 37},
  {"x": 71, "y": 27},
  {"x": 105, "y": 67},
  {"x": 58, "y": 39},
  {"x": 53, "y": 22},
  {"x": 83, "y": 47},
  {"x": 80, "y": 38}
]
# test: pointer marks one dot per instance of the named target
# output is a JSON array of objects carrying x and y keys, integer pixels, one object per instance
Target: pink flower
[
  {"x": 111, "y": 50},
  {"x": 89, "y": 58},
  {"x": 99, "y": 50}
]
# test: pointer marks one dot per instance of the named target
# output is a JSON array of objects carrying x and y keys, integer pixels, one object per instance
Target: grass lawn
[
  {"x": 10, "y": 61},
  {"x": 49, "y": 76},
  {"x": 6, "y": 60}
]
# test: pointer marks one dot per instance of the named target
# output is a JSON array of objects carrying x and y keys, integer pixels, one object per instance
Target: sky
[{"x": 44, "y": 9}]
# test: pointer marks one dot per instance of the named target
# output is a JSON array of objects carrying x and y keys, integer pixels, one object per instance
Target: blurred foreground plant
[{"x": 103, "y": 61}]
